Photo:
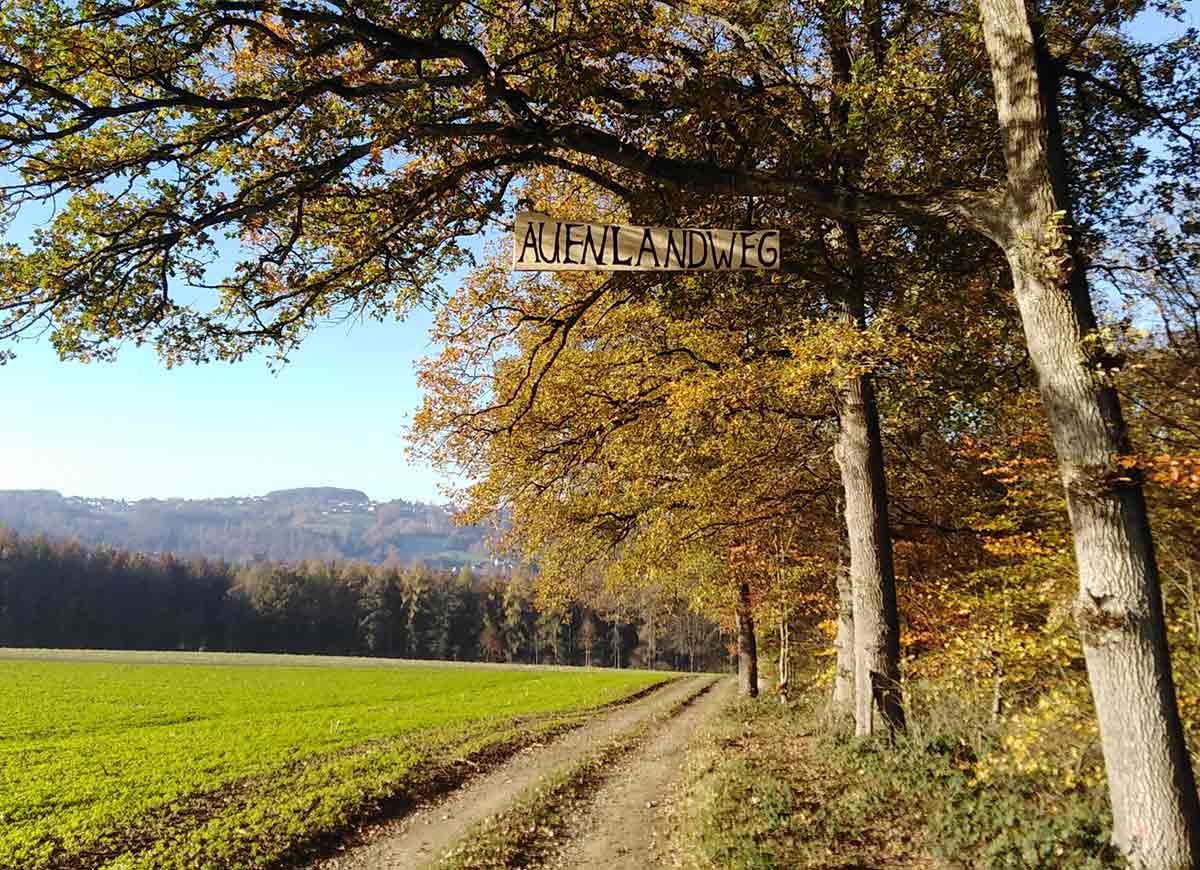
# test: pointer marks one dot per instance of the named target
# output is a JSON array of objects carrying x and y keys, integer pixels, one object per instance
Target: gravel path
[
  {"x": 422, "y": 835},
  {"x": 624, "y": 825}
]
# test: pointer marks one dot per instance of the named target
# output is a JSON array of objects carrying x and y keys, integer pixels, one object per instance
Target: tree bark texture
[
  {"x": 747, "y": 646},
  {"x": 1118, "y": 609},
  {"x": 842, "y": 703},
  {"x": 872, "y": 578},
  {"x": 784, "y": 658},
  {"x": 653, "y": 643}
]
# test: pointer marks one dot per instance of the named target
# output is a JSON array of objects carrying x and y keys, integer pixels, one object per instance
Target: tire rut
[
  {"x": 624, "y": 824},
  {"x": 420, "y": 836}
]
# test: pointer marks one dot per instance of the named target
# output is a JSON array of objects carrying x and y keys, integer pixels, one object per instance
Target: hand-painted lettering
[{"x": 542, "y": 243}]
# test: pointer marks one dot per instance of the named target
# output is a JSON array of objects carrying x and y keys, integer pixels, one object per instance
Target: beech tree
[{"x": 350, "y": 148}]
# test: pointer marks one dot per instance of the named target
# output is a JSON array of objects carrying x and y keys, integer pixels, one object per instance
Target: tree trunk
[
  {"x": 653, "y": 643},
  {"x": 691, "y": 643},
  {"x": 747, "y": 647},
  {"x": 859, "y": 453},
  {"x": 1156, "y": 817},
  {"x": 872, "y": 579},
  {"x": 842, "y": 703},
  {"x": 783, "y": 655}
]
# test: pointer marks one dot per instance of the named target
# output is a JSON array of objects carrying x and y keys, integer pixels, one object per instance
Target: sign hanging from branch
[{"x": 542, "y": 243}]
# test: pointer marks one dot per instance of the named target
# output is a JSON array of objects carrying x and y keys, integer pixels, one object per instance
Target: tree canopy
[{"x": 345, "y": 151}]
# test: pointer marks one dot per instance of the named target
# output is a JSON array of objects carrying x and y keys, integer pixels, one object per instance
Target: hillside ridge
[{"x": 311, "y": 522}]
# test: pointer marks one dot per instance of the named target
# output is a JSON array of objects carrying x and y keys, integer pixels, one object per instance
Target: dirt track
[
  {"x": 623, "y": 826},
  {"x": 420, "y": 836}
]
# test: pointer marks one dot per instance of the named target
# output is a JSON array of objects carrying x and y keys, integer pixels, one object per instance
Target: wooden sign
[{"x": 542, "y": 243}]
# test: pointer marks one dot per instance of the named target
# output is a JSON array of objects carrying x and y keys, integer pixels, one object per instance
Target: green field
[{"x": 123, "y": 760}]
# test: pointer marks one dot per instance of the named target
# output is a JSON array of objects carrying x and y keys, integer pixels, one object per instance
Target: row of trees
[
  {"x": 954, "y": 180},
  {"x": 63, "y": 595}
]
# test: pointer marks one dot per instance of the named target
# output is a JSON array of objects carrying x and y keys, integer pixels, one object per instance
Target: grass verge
[{"x": 768, "y": 786}]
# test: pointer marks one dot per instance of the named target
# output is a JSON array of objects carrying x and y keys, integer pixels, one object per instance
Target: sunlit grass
[{"x": 87, "y": 747}]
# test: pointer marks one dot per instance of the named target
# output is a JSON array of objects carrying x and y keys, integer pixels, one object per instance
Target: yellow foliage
[{"x": 1056, "y": 739}]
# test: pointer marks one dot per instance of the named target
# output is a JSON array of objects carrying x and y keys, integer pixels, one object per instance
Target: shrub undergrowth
[{"x": 772, "y": 786}]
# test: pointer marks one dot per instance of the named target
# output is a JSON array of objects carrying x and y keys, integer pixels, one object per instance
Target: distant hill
[{"x": 319, "y": 522}]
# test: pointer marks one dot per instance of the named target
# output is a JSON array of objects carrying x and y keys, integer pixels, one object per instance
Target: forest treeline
[{"x": 65, "y": 595}]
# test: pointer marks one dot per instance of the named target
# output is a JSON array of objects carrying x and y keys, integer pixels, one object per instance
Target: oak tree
[{"x": 349, "y": 148}]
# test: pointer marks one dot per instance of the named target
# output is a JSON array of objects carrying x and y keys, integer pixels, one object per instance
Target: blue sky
[{"x": 132, "y": 429}]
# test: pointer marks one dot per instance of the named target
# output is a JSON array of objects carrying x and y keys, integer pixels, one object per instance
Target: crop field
[{"x": 173, "y": 760}]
